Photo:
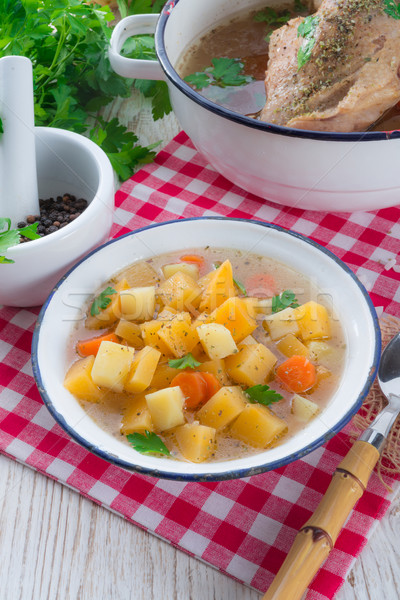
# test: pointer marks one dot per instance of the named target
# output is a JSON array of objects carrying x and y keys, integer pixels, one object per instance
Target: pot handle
[{"x": 133, "y": 67}]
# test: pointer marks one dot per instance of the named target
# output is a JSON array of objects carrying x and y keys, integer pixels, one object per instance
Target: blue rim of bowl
[
  {"x": 238, "y": 473},
  {"x": 248, "y": 121}
]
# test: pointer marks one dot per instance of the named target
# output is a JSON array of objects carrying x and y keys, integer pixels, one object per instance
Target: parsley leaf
[
  {"x": 284, "y": 300},
  {"x": 186, "y": 362},
  {"x": 240, "y": 286},
  {"x": 392, "y": 8},
  {"x": 271, "y": 17},
  {"x": 147, "y": 443},
  {"x": 1, "y": 127},
  {"x": 306, "y": 30},
  {"x": 102, "y": 301},
  {"x": 262, "y": 394},
  {"x": 12, "y": 237},
  {"x": 225, "y": 72}
]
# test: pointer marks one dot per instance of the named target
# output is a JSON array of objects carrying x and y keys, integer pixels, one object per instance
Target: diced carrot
[
  {"x": 193, "y": 258},
  {"x": 213, "y": 385},
  {"x": 88, "y": 347},
  {"x": 193, "y": 387},
  {"x": 297, "y": 373},
  {"x": 261, "y": 285}
]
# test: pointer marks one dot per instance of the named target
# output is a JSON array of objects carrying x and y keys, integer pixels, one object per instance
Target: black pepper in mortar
[{"x": 55, "y": 214}]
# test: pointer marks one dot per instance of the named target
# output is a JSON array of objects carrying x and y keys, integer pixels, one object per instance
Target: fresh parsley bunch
[{"x": 67, "y": 42}]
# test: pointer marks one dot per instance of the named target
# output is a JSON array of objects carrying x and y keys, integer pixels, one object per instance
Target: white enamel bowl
[
  {"x": 309, "y": 170},
  {"x": 66, "y": 163},
  {"x": 65, "y": 305}
]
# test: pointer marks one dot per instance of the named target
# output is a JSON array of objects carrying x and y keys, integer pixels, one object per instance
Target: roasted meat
[{"x": 351, "y": 77}]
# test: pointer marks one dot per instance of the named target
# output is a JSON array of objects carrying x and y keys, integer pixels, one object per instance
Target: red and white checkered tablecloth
[{"x": 243, "y": 527}]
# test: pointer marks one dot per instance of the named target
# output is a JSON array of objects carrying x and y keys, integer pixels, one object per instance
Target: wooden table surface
[{"x": 57, "y": 545}]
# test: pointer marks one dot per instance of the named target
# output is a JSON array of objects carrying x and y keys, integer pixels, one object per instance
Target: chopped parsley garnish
[
  {"x": 392, "y": 8},
  {"x": 186, "y": 362},
  {"x": 262, "y": 394},
  {"x": 147, "y": 443},
  {"x": 284, "y": 300},
  {"x": 102, "y": 301},
  {"x": 306, "y": 30},
  {"x": 12, "y": 237},
  {"x": 225, "y": 72}
]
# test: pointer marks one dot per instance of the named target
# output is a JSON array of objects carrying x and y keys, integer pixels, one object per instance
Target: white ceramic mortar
[{"x": 66, "y": 163}]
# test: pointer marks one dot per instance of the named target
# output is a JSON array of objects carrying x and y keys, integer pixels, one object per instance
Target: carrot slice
[
  {"x": 261, "y": 284},
  {"x": 297, "y": 373},
  {"x": 192, "y": 258},
  {"x": 193, "y": 386},
  {"x": 88, "y": 347},
  {"x": 213, "y": 385}
]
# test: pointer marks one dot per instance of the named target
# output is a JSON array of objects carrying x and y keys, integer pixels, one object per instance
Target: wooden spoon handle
[{"x": 318, "y": 536}]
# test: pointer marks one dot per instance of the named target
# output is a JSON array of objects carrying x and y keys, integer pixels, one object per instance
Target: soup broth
[{"x": 255, "y": 287}]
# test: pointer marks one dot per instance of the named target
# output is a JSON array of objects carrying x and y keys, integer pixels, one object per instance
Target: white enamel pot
[
  {"x": 304, "y": 169},
  {"x": 66, "y": 306}
]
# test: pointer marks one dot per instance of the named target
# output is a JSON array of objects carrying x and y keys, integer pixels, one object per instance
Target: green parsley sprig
[
  {"x": 148, "y": 443},
  {"x": 102, "y": 301},
  {"x": 306, "y": 30},
  {"x": 67, "y": 42},
  {"x": 262, "y": 394},
  {"x": 12, "y": 237},
  {"x": 186, "y": 362},
  {"x": 392, "y": 8},
  {"x": 225, "y": 72},
  {"x": 284, "y": 300}
]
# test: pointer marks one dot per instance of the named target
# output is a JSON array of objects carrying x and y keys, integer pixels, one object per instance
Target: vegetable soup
[{"x": 206, "y": 355}]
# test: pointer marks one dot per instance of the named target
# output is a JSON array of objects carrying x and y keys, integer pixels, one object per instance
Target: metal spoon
[{"x": 316, "y": 539}]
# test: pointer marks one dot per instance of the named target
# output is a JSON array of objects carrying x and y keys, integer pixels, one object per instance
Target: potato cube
[
  {"x": 219, "y": 288},
  {"x": 180, "y": 291},
  {"x": 108, "y": 316},
  {"x": 259, "y": 306},
  {"x": 282, "y": 323},
  {"x": 303, "y": 409},
  {"x": 217, "y": 368},
  {"x": 222, "y": 408},
  {"x": 137, "y": 418},
  {"x": 234, "y": 315},
  {"x": 142, "y": 371},
  {"x": 313, "y": 321},
  {"x": 258, "y": 426},
  {"x": 324, "y": 354},
  {"x": 138, "y": 304},
  {"x": 189, "y": 269},
  {"x": 166, "y": 408},
  {"x": 112, "y": 365},
  {"x": 216, "y": 340},
  {"x": 291, "y": 345},
  {"x": 178, "y": 335},
  {"x": 196, "y": 442},
  {"x": 140, "y": 274},
  {"x": 252, "y": 365},
  {"x": 79, "y": 382},
  {"x": 150, "y": 336},
  {"x": 248, "y": 341},
  {"x": 130, "y": 332},
  {"x": 167, "y": 314},
  {"x": 163, "y": 376}
]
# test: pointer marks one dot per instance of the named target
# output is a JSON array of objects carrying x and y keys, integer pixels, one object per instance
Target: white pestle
[{"x": 18, "y": 177}]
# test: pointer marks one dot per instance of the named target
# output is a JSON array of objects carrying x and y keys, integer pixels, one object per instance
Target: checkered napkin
[{"x": 243, "y": 527}]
